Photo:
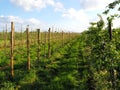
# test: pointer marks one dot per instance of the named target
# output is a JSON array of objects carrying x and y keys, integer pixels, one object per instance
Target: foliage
[{"x": 112, "y": 6}]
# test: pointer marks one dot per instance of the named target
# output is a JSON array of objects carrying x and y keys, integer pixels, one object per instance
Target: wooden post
[
  {"x": 3, "y": 37},
  {"x": 41, "y": 37},
  {"x": 45, "y": 45},
  {"x": 5, "y": 40},
  {"x": 6, "y": 37},
  {"x": 69, "y": 37},
  {"x": 52, "y": 36},
  {"x": 62, "y": 38},
  {"x": 12, "y": 49},
  {"x": 28, "y": 47},
  {"x": 14, "y": 38},
  {"x": 32, "y": 35},
  {"x": 38, "y": 52},
  {"x": 109, "y": 29},
  {"x": 21, "y": 36},
  {"x": 49, "y": 46},
  {"x": 112, "y": 73}
]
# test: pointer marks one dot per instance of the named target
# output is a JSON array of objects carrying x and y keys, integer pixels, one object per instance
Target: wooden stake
[
  {"x": 41, "y": 37},
  {"x": 49, "y": 46},
  {"x": 52, "y": 36},
  {"x": 3, "y": 35},
  {"x": 21, "y": 36},
  {"x": 69, "y": 36},
  {"x": 109, "y": 29},
  {"x": 28, "y": 47},
  {"x": 62, "y": 38},
  {"x": 12, "y": 49},
  {"x": 38, "y": 52},
  {"x": 45, "y": 45},
  {"x": 112, "y": 73},
  {"x": 6, "y": 37}
]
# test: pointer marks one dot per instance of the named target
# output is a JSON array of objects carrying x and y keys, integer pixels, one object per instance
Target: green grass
[{"x": 84, "y": 63}]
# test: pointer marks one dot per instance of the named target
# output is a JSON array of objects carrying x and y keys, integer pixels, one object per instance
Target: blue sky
[{"x": 69, "y": 15}]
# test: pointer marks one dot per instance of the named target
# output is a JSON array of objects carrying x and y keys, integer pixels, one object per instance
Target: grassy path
[{"x": 67, "y": 69}]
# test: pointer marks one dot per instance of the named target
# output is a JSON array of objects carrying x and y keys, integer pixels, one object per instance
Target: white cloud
[
  {"x": 50, "y": 2},
  {"x": 30, "y": 5},
  {"x": 59, "y": 7},
  {"x": 8, "y": 19},
  {"x": 78, "y": 15},
  {"x": 32, "y": 22},
  {"x": 78, "y": 19},
  {"x": 116, "y": 23},
  {"x": 15, "y": 19},
  {"x": 91, "y": 5}
]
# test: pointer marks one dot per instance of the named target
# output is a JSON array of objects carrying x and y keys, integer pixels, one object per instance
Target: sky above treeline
[{"x": 68, "y": 15}]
